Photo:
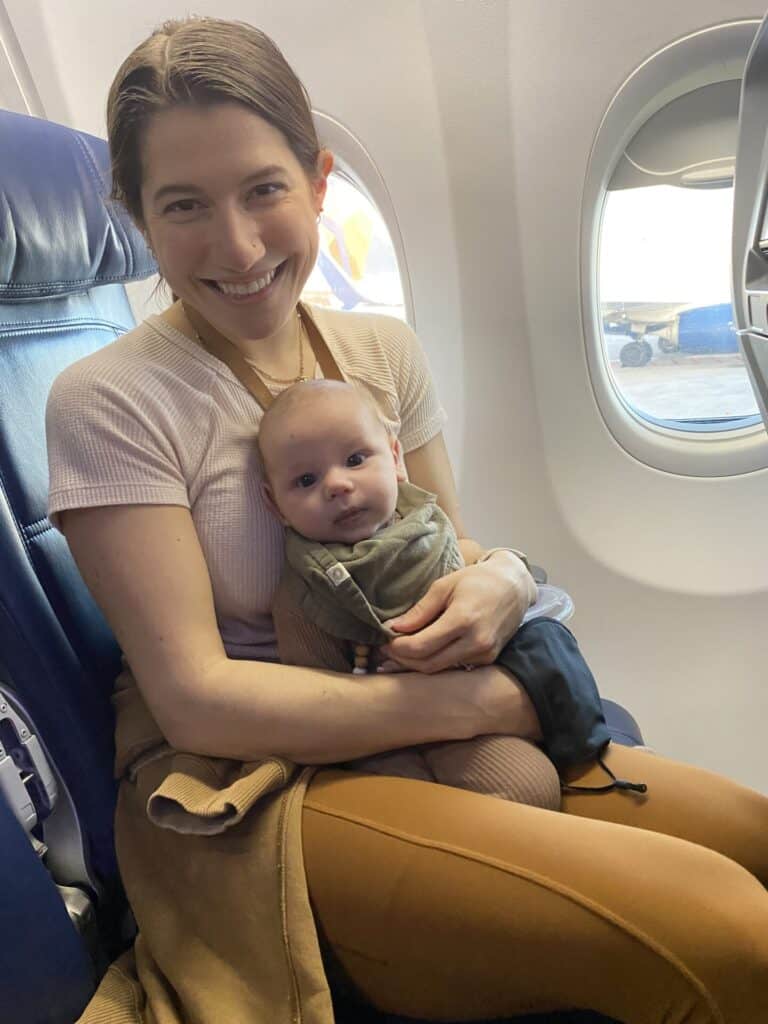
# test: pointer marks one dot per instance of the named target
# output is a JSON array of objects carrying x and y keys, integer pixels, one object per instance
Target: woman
[{"x": 430, "y": 902}]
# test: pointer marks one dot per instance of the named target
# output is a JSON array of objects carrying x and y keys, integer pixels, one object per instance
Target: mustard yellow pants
[{"x": 444, "y": 904}]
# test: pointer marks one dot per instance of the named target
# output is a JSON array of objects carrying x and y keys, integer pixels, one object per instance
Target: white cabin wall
[
  {"x": 480, "y": 115},
  {"x": 502, "y": 460},
  {"x": 668, "y": 572},
  {"x": 668, "y": 630}
]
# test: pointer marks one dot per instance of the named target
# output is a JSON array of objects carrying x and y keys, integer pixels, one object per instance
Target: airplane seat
[{"x": 65, "y": 255}]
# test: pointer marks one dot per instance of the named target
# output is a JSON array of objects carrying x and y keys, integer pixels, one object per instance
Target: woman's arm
[
  {"x": 146, "y": 570},
  {"x": 468, "y": 616}
]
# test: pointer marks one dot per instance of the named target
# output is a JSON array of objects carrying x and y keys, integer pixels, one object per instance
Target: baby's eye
[
  {"x": 356, "y": 459},
  {"x": 305, "y": 480}
]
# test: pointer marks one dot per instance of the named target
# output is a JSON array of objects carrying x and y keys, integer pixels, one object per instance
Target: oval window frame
[
  {"x": 353, "y": 161},
  {"x": 710, "y": 55}
]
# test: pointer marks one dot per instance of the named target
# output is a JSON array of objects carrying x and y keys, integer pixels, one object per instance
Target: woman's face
[{"x": 231, "y": 215}]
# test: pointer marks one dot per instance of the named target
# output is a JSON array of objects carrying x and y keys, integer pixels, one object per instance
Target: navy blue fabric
[
  {"x": 39, "y": 943},
  {"x": 545, "y": 659},
  {"x": 58, "y": 234},
  {"x": 58, "y": 238},
  {"x": 622, "y": 726}
]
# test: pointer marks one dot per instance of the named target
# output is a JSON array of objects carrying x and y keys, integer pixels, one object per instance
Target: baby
[{"x": 362, "y": 546}]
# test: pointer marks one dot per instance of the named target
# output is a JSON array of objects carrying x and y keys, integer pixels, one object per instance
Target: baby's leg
[
  {"x": 406, "y": 763},
  {"x": 301, "y": 642},
  {"x": 504, "y": 766}
]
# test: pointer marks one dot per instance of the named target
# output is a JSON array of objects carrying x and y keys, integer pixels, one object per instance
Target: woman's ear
[
  {"x": 397, "y": 453},
  {"x": 324, "y": 167},
  {"x": 269, "y": 501}
]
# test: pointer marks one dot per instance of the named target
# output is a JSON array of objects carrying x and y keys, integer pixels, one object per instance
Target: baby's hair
[{"x": 297, "y": 394}]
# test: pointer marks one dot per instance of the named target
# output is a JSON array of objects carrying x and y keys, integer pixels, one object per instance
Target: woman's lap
[{"x": 441, "y": 903}]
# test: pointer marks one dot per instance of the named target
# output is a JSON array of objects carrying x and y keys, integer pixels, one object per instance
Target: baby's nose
[{"x": 337, "y": 482}]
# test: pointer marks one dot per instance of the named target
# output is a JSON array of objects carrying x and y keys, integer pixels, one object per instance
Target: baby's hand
[
  {"x": 391, "y": 666},
  {"x": 381, "y": 663}
]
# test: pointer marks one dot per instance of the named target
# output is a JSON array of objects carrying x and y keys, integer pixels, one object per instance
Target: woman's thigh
[{"x": 444, "y": 904}]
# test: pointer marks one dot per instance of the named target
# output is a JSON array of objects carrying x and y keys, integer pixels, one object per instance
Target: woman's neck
[{"x": 277, "y": 354}]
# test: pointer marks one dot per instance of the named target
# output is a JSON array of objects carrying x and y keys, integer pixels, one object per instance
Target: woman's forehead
[{"x": 222, "y": 141}]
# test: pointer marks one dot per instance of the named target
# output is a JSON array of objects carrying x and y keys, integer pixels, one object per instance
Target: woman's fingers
[
  {"x": 448, "y": 628},
  {"x": 467, "y": 617},
  {"x": 425, "y": 611},
  {"x": 449, "y": 642},
  {"x": 454, "y": 655}
]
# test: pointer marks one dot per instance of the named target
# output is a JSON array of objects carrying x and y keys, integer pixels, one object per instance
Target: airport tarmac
[{"x": 679, "y": 386}]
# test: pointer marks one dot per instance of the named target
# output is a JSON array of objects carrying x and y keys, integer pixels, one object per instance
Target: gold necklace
[{"x": 279, "y": 380}]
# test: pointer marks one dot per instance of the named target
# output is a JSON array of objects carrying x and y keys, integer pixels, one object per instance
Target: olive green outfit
[{"x": 335, "y": 596}]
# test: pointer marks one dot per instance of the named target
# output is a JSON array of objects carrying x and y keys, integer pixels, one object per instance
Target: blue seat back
[{"x": 65, "y": 254}]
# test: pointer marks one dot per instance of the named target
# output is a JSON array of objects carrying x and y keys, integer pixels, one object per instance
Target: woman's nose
[{"x": 238, "y": 242}]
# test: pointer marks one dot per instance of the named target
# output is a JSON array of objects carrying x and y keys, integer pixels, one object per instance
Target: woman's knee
[{"x": 682, "y": 800}]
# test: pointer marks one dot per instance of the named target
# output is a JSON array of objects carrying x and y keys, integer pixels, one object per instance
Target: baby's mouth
[{"x": 348, "y": 516}]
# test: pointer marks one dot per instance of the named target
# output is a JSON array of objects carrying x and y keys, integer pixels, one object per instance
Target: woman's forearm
[{"x": 247, "y": 710}]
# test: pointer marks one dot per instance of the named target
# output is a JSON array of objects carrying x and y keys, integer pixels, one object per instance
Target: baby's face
[{"x": 333, "y": 469}]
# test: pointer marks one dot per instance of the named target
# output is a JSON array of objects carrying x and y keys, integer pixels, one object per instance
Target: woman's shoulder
[
  {"x": 354, "y": 325},
  {"x": 359, "y": 338},
  {"x": 153, "y": 352}
]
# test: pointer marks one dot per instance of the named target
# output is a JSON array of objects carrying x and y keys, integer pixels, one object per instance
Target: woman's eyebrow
[{"x": 263, "y": 172}]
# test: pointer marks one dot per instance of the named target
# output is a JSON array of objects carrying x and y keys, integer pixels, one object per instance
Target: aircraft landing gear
[{"x": 636, "y": 353}]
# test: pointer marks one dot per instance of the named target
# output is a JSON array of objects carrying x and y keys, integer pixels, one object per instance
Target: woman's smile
[
  {"x": 251, "y": 289},
  {"x": 236, "y": 236}
]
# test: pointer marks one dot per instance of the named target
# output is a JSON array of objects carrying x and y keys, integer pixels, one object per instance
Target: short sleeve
[
  {"x": 421, "y": 415},
  {"x": 109, "y": 444}
]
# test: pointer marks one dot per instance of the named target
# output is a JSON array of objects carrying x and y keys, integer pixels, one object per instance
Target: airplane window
[
  {"x": 665, "y": 306},
  {"x": 663, "y": 357},
  {"x": 664, "y": 268},
  {"x": 356, "y": 266}
]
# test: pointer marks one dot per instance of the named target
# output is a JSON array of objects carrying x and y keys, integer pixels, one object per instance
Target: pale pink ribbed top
[{"x": 154, "y": 419}]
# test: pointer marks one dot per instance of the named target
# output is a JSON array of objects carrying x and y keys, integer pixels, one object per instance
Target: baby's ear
[
  {"x": 397, "y": 453},
  {"x": 269, "y": 501}
]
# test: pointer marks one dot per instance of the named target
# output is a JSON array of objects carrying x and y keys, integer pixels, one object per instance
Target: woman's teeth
[{"x": 247, "y": 289}]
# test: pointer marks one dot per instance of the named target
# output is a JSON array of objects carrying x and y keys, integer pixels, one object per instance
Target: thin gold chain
[{"x": 292, "y": 380}]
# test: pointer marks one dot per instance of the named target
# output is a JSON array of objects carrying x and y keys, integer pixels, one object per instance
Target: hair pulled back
[{"x": 200, "y": 62}]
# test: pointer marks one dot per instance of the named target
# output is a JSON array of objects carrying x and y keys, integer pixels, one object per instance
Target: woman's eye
[
  {"x": 183, "y": 206},
  {"x": 267, "y": 189},
  {"x": 305, "y": 480},
  {"x": 356, "y": 459}
]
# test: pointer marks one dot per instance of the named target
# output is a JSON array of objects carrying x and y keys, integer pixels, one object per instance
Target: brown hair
[{"x": 202, "y": 61}]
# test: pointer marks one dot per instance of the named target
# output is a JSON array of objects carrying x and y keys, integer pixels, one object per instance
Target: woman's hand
[{"x": 465, "y": 618}]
